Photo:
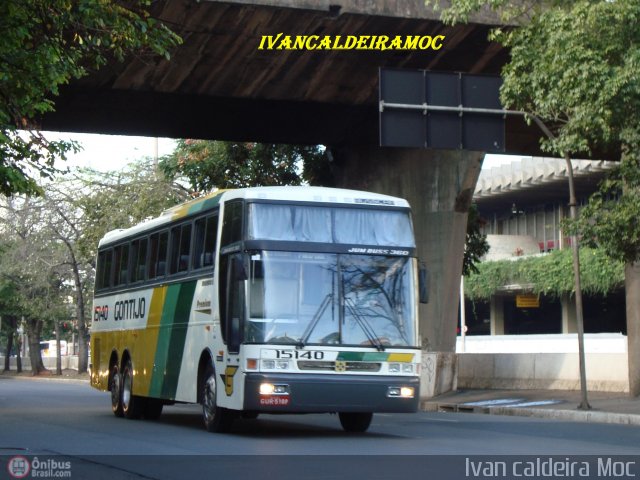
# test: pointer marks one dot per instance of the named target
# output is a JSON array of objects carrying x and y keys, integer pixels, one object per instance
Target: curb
[
  {"x": 547, "y": 413},
  {"x": 51, "y": 378}
]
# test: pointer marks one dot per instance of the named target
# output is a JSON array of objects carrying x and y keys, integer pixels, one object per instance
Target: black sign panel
[{"x": 414, "y": 120}]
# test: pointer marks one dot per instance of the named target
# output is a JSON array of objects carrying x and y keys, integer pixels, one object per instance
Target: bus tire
[
  {"x": 115, "y": 387},
  {"x": 215, "y": 418},
  {"x": 131, "y": 404},
  {"x": 152, "y": 408},
  {"x": 357, "y": 422}
]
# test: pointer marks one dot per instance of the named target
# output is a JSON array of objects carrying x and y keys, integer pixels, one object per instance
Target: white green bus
[{"x": 261, "y": 300}]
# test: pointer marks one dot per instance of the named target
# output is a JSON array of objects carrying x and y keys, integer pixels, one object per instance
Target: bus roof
[{"x": 292, "y": 194}]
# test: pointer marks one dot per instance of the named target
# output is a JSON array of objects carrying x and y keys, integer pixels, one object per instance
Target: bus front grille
[{"x": 339, "y": 366}]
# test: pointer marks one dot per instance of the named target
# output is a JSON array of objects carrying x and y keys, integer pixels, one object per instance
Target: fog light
[
  {"x": 393, "y": 392},
  {"x": 271, "y": 389},
  {"x": 402, "y": 392},
  {"x": 407, "y": 392},
  {"x": 267, "y": 388}
]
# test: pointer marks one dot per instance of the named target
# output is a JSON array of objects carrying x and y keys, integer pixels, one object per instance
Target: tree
[
  {"x": 50, "y": 244},
  {"x": 31, "y": 268},
  {"x": 207, "y": 165},
  {"x": 476, "y": 245},
  {"x": 83, "y": 208},
  {"x": 46, "y": 45},
  {"x": 574, "y": 65}
]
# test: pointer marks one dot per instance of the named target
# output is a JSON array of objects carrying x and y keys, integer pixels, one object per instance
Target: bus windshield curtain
[{"x": 330, "y": 225}]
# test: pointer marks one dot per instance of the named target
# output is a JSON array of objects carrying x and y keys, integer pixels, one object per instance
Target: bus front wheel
[
  {"x": 216, "y": 419},
  {"x": 355, "y": 421}
]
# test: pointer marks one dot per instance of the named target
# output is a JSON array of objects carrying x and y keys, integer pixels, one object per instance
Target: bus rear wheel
[
  {"x": 116, "y": 391},
  {"x": 357, "y": 422},
  {"x": 215, "y": 418},
  {"x": 131, "y": 404}
]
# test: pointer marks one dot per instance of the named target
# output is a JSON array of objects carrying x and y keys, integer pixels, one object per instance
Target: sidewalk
[{"x": 606, "y": 407}]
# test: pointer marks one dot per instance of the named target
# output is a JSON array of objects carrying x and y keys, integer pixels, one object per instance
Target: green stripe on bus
[
  {"x": 178, "y": 336},
  {"x": 205, "y": 204},
  {"x": 171, "y": 337},
  {"x": 363, "y": 356}
]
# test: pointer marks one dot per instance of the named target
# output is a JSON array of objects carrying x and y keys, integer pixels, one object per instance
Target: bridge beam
[{"x": 439, "y": 185}]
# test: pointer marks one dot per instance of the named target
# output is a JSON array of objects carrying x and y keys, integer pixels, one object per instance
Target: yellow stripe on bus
[
  {"x": 144, "y": 364},
  {"x": 400, "y": 357}
]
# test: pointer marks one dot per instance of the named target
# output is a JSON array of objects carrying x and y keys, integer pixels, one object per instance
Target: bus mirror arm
[{"x": 423, "y": 283}]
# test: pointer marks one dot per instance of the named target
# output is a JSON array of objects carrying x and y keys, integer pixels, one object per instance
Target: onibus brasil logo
[{"x": 20, "y": 467}]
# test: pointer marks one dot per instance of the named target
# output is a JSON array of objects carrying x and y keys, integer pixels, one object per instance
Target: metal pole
[
  {"x": 463, "y": 319},
  {"x": 573, "y": 212}
]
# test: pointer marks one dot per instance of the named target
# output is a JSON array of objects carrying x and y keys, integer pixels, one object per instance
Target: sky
[{"x": 113, "y": 152}]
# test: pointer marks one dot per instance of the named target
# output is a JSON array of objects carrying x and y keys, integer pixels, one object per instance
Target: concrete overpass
[{"x": 220, "y": 85}]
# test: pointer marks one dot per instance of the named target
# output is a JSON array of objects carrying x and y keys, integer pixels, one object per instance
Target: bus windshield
[{"x": 330, "y": 299}]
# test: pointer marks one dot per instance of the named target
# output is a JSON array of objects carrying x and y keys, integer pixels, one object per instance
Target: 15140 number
[{"x": 306, "y": 354}]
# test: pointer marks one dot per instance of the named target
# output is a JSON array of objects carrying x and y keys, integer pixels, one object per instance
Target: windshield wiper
[
  {"x": 364, "y": 325},
  {"x": 314, "y": 321}
]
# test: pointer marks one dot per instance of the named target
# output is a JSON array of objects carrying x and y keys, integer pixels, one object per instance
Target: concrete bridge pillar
[{"x": 439, "y": 185}]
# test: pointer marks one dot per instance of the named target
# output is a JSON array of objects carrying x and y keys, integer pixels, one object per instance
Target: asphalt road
[{"x": 51, "y": 419}]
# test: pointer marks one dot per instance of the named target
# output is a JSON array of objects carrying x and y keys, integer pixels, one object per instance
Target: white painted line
[
  {"x": 534, "y": 403},
  {"x": 489, "y": 403}
]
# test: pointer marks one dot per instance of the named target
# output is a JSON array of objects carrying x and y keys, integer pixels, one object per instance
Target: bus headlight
[
  {"x": 273, "y": 389},
  {"x": 275, "y": 364},
  {"x": 269, "y": 364},
  {"x": 394, "y": 368},
  {"x": 282, "y": 364},
  {"x": 407, "y": 368}
]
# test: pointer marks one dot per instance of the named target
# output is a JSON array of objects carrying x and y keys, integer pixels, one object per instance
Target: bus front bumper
[{"x": 304, "y": 393}]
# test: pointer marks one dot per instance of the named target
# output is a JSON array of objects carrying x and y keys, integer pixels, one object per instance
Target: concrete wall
[
  {"x": 543, "y": 343},
  {"x": 543, "y": 362},
  {"x": 606, "y": 372}
]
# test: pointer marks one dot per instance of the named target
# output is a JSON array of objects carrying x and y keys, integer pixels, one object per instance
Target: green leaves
[
  {"x": 207, "y": 165},
  {"x": 550, "y": 274},
  {"x": 574, "y": 64},
  {"x": 476, "y": 245},
  {"x": 46, "y": 45}
]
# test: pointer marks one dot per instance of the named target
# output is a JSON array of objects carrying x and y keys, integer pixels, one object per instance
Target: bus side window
[
  {"x": 138, "y": 259},
  {"x": 198, "y": 243},
  {"x": 121, "y": 260},
  {"x": 210, "y": 240},
  {"x": 180, "y": 248},
  {"x": 232, "y": 223},
  {"x": 103, "y": 270},
  {"x": 157, "y": 255},
  {"x": 204, "y": 244}
]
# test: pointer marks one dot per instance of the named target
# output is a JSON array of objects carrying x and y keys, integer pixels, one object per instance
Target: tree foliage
[
  {"x": 46, "y": 44},
  {"x": 573, "y": 63},
  {"x": 476, "y": 245},
  {"x": 551, "y": 274},
  {"x": 207, "y": 165},
  {"x": 50, "y": 244},
  {"x": 611, "y": 218}
]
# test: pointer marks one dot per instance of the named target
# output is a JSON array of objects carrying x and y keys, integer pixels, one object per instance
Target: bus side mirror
[{"x": 423, "y": 283}]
